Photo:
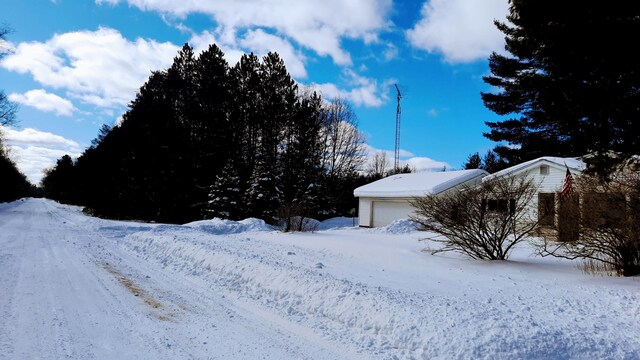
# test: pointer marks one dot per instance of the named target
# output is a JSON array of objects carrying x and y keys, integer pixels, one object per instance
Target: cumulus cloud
[
  {"x": 316, "y": 25},
  {"x": 418, "y": 163},
  {"x": 262, "y": 43},
  {"x": 361, "y": 91},
  {"x": 34, "y": 150},
  {"x": 421, "y": 164},
  {"x": 44, "y": 101},
  {"x": 460, "y": 30},
  {"x": 98, "y": 67},
  {"x": 257, "y": 41}
]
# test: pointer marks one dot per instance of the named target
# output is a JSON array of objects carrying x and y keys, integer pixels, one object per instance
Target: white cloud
[
  {"x": 201, "y": 41},
  {"x": 98, "y": 67},
  {"x": 34, "y": 150},
  {"x": 5, "y": 46},
  {"x": 262, "y": 43},
  {"x": 461, "y": 30},
  {"x": 362, "y": 91},
  {"x": 316, "y": 25},
  {"x": 418, "y": 163},
  {"x": 257, "y": 41},
  {"x": 421, "y": 164},
  {"x": 44, "y": 101},
  {"x": 390, "y": 52}
]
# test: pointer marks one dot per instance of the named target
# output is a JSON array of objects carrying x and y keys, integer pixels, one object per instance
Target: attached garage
[{"x": 388, "y": 199}]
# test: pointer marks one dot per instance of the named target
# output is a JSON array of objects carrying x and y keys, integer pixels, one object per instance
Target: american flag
[{"x": 567, "y": 186}]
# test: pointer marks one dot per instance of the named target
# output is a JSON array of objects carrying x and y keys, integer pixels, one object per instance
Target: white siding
[
  {"x": 548, "y": 183},
  {"x": 551, "y": 183},
  {"x": 364, "y": 212}
]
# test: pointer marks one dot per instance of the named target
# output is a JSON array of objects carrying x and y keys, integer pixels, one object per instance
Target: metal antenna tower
[{"x": 396, "y": 163}]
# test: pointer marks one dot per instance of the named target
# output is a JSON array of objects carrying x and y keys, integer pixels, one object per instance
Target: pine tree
[
  {"x": 474, "y": 161},
  {"x": 570, "y": 84},
  {"x": 263, "y": 196},
  {"x": 59, "y": 181},
  {"x": 226, "y": 195},
  {"x": 13, "y": 184},
  {"x": 492, "y": 162}
]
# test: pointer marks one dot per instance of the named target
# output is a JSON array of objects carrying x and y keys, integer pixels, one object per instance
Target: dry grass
[
  {"x": 136, "y": 291},
  {"x": 593, "y": 267}
]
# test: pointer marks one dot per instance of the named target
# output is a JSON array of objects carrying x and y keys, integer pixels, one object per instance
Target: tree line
[
  {"x": 203, "y": 139},
  {"x": 13, "y": 184}
]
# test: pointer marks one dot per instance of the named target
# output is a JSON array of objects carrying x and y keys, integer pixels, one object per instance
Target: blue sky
[{"x": 74, "y": 65}]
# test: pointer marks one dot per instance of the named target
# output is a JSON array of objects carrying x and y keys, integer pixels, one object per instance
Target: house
[
  {"x": 548, "y": 173},
  {"x": 388, "y": 199}
]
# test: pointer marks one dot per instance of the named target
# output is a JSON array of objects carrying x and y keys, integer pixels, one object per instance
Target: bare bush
[
  {"x": 608, "y": 224},
  {"x": 295, "y": 217},
  {"x": 484, "y": 221}
]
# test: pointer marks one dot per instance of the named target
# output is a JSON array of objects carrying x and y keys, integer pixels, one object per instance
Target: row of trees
[
  {"x": 203, "y": 139},
  {"x": 13, "y": 184}
]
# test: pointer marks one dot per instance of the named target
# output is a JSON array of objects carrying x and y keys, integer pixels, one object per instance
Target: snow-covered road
[
  {"x": 66, "y": 292},
  {"x": 77, "y": 287}
]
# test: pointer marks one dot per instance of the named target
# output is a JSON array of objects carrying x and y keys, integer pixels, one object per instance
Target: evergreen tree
[
  {"x": 263, "y": 196},
  {"x": 13, "y": 184},
  {"x": 301, "y": 158},
  {"x": 102, "y": 133},
  {"x": 244, "y": 115},
  {"x": 492, "y": 162},
  {"x": 570, "y": 84},
  {"x": 474, "y": 161},
  {"x": 59, "y": 181},
  {"x": 225, "y": 196}
]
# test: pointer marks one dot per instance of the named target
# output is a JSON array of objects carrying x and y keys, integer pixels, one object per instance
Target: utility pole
[{"x": 396, "y": 163}]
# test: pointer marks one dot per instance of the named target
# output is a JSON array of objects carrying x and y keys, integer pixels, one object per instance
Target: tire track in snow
[{"x": 209, "y": 325}]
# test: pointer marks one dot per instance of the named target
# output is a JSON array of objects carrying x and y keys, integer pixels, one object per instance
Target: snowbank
[
  {"x": 222, "y": 226},
  {"x": 338, "y": 223},
  {"x": 372, "y": 290},
  {"x": 400, "y": 226}
]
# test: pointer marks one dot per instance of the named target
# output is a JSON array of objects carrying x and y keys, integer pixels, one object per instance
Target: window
[
  {"x": 499, "y": 205},
  {"x": 544, "y": 169},
  {"x": 546, "y": 209}
]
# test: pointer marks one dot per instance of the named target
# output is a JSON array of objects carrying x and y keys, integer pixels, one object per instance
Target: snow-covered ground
[{"x": 77, "y": 287}]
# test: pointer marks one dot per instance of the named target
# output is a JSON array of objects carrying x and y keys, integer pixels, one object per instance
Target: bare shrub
[
  {"x": 294, "y": 217},
  {"x": 484, "y": 221},
  {"x": 608, "y": 219}
]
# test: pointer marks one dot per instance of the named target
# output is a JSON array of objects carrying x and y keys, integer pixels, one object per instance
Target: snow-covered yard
[{"x": 77, "y": 287}]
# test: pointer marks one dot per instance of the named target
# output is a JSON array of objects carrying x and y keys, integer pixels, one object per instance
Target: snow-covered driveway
[
  {"x": 67, "y": 291},
  {"x": 73, "y": 286}
]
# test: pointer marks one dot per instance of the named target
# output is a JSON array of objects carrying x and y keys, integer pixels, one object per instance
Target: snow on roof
[
  {"x": 417, "y": 184},
  {"x": 573, "y": 164}
]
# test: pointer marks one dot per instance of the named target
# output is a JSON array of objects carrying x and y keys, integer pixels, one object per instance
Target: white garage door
[{"x": 385, "y": 212}]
